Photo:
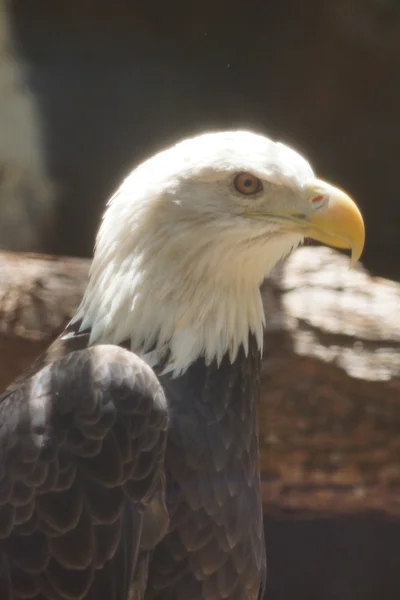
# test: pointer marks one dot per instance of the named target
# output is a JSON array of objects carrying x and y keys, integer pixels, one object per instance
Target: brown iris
[{"x": 247, "y": 184}]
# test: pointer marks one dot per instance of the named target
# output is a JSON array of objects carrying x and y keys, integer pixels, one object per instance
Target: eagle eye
[{"x": 247, "y": 184}]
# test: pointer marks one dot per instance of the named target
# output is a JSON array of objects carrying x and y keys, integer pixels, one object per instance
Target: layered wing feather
[{"x": 82, "y": 481}]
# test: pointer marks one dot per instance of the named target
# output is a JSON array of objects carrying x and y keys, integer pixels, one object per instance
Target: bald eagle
[{"x": 129, "y": 451}]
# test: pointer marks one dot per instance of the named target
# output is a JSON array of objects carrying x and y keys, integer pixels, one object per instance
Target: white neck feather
[{"x": 180, "y": 301}]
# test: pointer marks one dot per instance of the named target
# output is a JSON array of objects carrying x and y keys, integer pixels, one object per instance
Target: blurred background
[{"x": 89, "y": 88}]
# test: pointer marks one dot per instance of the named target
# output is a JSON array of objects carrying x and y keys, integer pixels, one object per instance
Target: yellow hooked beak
[
  {"x": 336, "y": 219},
  {"x": 332, "y": 218}
]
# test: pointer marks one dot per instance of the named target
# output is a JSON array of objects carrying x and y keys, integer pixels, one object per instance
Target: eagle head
[{"x": 188, "y": 238}]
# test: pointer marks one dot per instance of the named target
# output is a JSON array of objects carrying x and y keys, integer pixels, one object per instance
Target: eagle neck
[{"x": 175, "y": 311}]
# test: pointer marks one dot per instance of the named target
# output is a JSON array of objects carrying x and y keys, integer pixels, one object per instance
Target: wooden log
[
  {"x": 330, "y": 401},
  {"x": 330, "y": 411},
  {"x": 38, "y": 296}
]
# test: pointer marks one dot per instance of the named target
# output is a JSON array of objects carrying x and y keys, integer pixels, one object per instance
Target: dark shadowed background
[{"x": 114, "y": 81}]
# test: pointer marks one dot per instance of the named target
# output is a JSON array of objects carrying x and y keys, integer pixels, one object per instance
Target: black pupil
[{"x": 248, "y": 183}]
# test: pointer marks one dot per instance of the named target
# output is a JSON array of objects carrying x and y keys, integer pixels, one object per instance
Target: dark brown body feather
[
  {"x": 215, "y": 546},
  {"x": 84, "y": 510}
]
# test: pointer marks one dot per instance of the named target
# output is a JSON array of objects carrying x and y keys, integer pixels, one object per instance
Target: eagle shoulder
[{"x": 82, "y": 446}]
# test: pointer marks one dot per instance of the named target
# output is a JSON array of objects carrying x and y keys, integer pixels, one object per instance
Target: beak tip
[
  {"x": 358, "y": 247},
  {"x": 341, "y": 224},
  {"x": 354, "y": 261}
]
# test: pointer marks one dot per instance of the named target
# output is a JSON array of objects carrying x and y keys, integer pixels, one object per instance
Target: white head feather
[{"x": 178, "y": 263}]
